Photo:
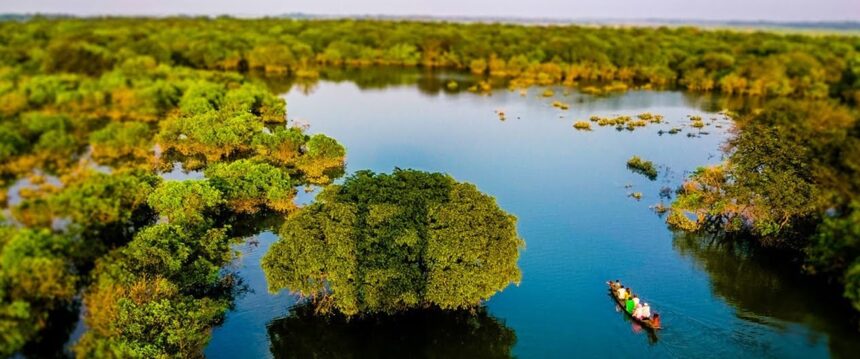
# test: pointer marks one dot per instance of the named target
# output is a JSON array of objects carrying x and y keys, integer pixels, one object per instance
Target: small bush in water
[{"x": 643, "y": 167}]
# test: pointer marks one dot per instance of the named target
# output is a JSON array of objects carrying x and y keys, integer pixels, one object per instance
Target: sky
[{"x": 772, "y": 10}]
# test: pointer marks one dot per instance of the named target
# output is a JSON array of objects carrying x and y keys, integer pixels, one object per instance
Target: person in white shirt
[
  {"x": 637, "y": 313},
  {"x": 645, "y": 311}
]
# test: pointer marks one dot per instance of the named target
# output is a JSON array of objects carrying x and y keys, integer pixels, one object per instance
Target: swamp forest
[{"x": 275, "y": 187}]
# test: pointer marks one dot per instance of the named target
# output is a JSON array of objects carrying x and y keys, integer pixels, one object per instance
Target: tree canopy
[
  {"x": 392, "y": 242},
  {"x": 91, "y": 128},
  {"x": 790, "y": 181}
]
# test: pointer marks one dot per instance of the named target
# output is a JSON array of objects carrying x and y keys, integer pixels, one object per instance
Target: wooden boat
[{"x": 643, "y": 322}]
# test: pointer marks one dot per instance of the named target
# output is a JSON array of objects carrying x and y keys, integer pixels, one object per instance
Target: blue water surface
[{"x": 570, "y": 192}]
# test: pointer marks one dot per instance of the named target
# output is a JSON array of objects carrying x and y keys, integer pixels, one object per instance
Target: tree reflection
[
  {"x": 420, "y": 333},
  {"x": 428, "y": 82},
  {"x": 759, "y": 287}
]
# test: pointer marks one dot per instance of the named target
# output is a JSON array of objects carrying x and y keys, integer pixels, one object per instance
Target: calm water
[{"x": 569, "y": 190}]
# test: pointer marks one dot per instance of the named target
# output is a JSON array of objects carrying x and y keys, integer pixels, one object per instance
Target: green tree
[
  {"x": 323, "y": 159},
  {"x": 389, "y": 243},
  {"x": 248, "y": 186},
  {"x": 184, "y": 201},
  {"x": 35, "y": 277}
]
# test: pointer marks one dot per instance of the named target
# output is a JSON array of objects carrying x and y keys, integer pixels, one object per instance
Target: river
[{"x": 571, "y": 193}]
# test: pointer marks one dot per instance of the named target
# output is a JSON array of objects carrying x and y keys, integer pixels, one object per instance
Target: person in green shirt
[{"x": 629, "y": 305}]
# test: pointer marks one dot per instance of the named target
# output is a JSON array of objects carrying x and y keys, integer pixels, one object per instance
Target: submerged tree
[{"x": 385, "y": 243}]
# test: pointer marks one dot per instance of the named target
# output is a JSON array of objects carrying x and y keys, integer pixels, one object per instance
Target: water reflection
[
  {"x": 53, "y": 339},
  {"x": 435, "y": 82},
  {"x": 417, "y": 334},
  {"x": 428, "y": 81},
  {"x": 764, "y": 292}
]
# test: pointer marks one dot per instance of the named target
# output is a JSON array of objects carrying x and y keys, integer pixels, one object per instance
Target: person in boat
[
  {"x": 629, "y": 305},
  {"x": 615, "y": 285},
  {"x": 655, "y": 320},
  {"x": 621, "y": 293},
  {"x": 644, "y": 311},
  {"x": 637, "y": 311},
  {"x": 636, "y": 301}
]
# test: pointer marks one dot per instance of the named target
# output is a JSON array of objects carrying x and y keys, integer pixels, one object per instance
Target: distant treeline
[{"x": 756, "y": 64}]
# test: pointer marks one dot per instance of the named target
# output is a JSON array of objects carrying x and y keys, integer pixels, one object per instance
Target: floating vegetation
[
  {"x": 591, "y": 90},
  {"x": 452, "y": 85},
  {"x": 630, "y": 123},
  {"x": 614, "y": 121},
  {"x": 643, "y": 167},
  {"x": 616, "y": 87},
  {"x": 560, "y": 105},
  {"x": 635, "y": 195},
  {"x": 501, "y": 115},
  {"x": 524, "y": 92},
  {"x": 646, "y": 116},
  {"x": 613, "y": 87},
  {"x": 660, "y": 208},
  {"x": 582, "y": 125},
  {"x": 548, "y": 93}
]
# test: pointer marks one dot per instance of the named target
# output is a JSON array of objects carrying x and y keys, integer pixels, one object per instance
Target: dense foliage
[
  {"x": 792, "y": 181},
  {"x": 86, "y": 132},
  {"x": 389, "y": 243}
]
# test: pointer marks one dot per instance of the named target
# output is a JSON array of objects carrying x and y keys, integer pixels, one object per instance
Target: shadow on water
[
  {"x": 417, "y": 334},
  {"x": 750, "y": 280},
  {"x": 52, "y": 340}
]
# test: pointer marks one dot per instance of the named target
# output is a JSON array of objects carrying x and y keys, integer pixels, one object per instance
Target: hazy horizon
[{"x": 727, "y": 10}]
